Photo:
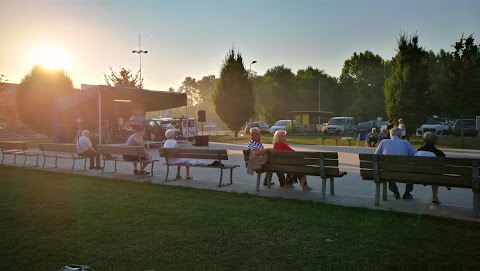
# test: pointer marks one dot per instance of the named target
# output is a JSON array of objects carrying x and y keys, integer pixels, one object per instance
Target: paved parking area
[{"x": 350, "y": 190}]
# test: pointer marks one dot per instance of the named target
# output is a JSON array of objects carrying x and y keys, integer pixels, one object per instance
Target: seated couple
[{"x": 279, "y": 143}]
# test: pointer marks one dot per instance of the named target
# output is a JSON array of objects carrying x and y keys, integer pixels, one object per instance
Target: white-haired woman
[
  {"x": 279, "y": 144},
  {"x": 172, "y": 143}
]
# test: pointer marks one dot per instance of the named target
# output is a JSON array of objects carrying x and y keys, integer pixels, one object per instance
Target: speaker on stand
[{"x": 201, "y": 140}]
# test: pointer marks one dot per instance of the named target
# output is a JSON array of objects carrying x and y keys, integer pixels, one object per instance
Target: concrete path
[{"x": 350, "y": 190}]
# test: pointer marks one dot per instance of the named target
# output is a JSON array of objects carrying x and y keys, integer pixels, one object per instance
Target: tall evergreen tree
[
  {"x": 233, "y": 97},
  {"x": 407, "y": 88},
  {"x": 37, "y": 94}
]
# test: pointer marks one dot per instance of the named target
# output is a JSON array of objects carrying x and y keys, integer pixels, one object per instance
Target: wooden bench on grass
[
  {"x": 219, "y": 155},
  {"x": 442, "y": 171},
  {"x": 61, "y": 151},
  {"x": 17, "y": 148},
  {"x": 322, "y": 164},
  {"x": 108, "y": 151}
]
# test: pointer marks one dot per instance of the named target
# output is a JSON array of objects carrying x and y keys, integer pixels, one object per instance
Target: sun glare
[{"x": 50, "y": 58}]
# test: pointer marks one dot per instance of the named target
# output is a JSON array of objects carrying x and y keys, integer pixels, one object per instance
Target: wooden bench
[
  {"x": 442, "y": 171},
  {"x": 108, "y": 151},
  {"x": 62, "y": 151},
  {"x": 219, "y": 155},
  {"x": 323, "y": 164},
  {"x": 17, "y": 148}
]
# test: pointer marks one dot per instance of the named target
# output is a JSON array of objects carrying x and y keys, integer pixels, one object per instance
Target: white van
[
  {"x": 341, "y": 126},
  {"x": 188, "y": 128}
]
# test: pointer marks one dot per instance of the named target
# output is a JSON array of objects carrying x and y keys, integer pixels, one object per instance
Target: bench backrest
[
  {"x": 12, "y": 145},
  {"x": 194, "y": 153},
  {"x": 122, "y": 150},
  {"x": 449, "y": 171},
  {"x": 323, "y": 164},
  {"x": 54, "y": 147}
]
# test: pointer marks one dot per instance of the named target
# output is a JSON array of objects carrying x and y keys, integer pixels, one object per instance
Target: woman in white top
[
  {"x": 401, "y": 126},
  {"x": 172, "y": 143}
]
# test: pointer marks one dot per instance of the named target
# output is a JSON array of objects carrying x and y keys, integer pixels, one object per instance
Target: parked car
[
  {"x": 341, "y": 125},
  {"x": 365, "y": 127},
  {"x": 469, "y": 127},
  {"x": 380, "y": 125},
  {"x": 263, "y": 126},
  {"x": 439, "y": 126},
  {"x": 155, "y": 130},
  {"x": 280, "y": 125}
]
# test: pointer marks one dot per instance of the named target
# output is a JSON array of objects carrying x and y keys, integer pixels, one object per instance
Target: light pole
[
  {"x": 250, "y": 69},
  {"x": 140, "y": 52},
  {"x": 319, "y": 82}
]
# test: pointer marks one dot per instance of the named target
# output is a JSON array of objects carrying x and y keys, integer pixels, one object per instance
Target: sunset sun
[{"x": 50, "y": 58}]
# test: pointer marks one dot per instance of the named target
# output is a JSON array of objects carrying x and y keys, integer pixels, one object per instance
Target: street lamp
[
  {"x": 140, "y": 52},
  {"x": 253, "y": 62},
  {"x": 319, "y": 81}
]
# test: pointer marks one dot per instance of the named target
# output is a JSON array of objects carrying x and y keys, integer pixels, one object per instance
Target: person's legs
[
  {"x": 268, "y": 177},
  {"x": 187, "y": 169},
  {"x": 281, "y": 178},
  {"x": 408, "y": 189},
  {"x": 392, "y": 186}
]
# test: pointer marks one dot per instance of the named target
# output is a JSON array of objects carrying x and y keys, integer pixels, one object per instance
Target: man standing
[
  {"x": 85, "y": 149},
  {"x": 256, "y": 146},
  {"x": 396, "y": 146}
]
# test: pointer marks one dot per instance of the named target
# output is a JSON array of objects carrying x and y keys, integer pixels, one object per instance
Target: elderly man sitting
[{"x": 372, "y": 137}]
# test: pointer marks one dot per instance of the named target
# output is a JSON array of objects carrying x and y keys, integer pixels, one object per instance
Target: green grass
[
  {"x": 50, "y": 219},
  {"x": 444, "y": 142}
]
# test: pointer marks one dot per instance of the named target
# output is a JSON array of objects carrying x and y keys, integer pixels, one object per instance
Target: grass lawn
[{"x": 50, "y": 219}]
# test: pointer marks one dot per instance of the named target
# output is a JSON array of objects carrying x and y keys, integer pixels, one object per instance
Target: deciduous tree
[
  {"x": 407, "y": 88},
  {"x": 123, "y": 78},
  {"x": 36, "y": 95}
]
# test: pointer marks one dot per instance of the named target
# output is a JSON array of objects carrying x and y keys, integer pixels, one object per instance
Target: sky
[{"x": 192, "y": 37}]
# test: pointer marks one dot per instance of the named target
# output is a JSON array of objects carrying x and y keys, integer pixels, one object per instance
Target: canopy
[{"x": 112, "y": 102}]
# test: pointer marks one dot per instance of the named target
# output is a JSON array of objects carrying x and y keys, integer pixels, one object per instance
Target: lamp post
[
  {"x": 140, "y": 52},
  {"x": 250, "y": 69},
  {"x": 319, "y": 83}
]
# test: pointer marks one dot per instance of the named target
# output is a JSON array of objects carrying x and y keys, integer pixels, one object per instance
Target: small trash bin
[{"x": 201, "y": 140}]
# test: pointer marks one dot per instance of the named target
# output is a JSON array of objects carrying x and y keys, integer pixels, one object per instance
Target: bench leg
[
  {"x": 36, "y": 162},
  {"x": 56, "y": 162},
  {"x": 73, "y": 165},
  {"x": 385, "y": 184},
  {"x": 332, "y": 187},
  {"x": 324, "y": 183},
  {"x": 24, "y": 160},
  {"x": 231, "y": 176},
  {"x": 476, "y": 204},
  {"x": 14, "y": 158},
  {"x": 115, "y": 167},
  {"x": 259, "y": 175},
  {"x": 151, "y": 169},
  {"x": 44, "y": 160},
  {"x": 377, "y": 194},
  {"x": 166, "y": 176}
]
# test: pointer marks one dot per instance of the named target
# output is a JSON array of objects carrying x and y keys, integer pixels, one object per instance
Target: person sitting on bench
[
  {"x": 172, "y": 143},
  {"x": 85, "y": 149},
  {"x": 136, "y": 139},
  {"x": 372, "y": 137}
]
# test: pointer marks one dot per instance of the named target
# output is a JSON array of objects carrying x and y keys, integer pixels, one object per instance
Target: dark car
[
  {"x": 155, "y": 130},
  {"x": 469, "y": 127},
  {"x": 365, "y": 127},
  {"x": 264, "y": 127}
]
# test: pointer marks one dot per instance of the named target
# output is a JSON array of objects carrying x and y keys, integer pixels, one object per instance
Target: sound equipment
[{"x": 201, "y": 116}]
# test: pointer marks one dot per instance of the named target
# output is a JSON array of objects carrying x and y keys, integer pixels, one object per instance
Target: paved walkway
[{"x": 350, "y": 190}]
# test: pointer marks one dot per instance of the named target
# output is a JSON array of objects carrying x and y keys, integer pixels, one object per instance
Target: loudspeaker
[{"x": 201, "y": 116}]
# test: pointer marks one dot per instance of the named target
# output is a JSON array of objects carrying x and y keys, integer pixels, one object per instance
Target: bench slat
[
  {"x": 123, "y": 150},
  {"x": 53, "y": 147},
  {"x": 300, "y": 161}
]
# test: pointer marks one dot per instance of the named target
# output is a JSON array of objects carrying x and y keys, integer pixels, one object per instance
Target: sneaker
[
  {"x": 396, "y": 195},
  {"x": 407, "y": 195}
]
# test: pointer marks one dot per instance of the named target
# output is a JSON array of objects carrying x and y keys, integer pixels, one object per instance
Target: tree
[
  {"x": 233, "y": 97},
  {"x": 191, "y": 87},
  {"x": 407, "y": 88},
  {"x": 362, "y": 79},
  {"x": 462, "y": 70},
  {"x": 123, "y": 78},
  {"x": 37, "y": 94}
]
